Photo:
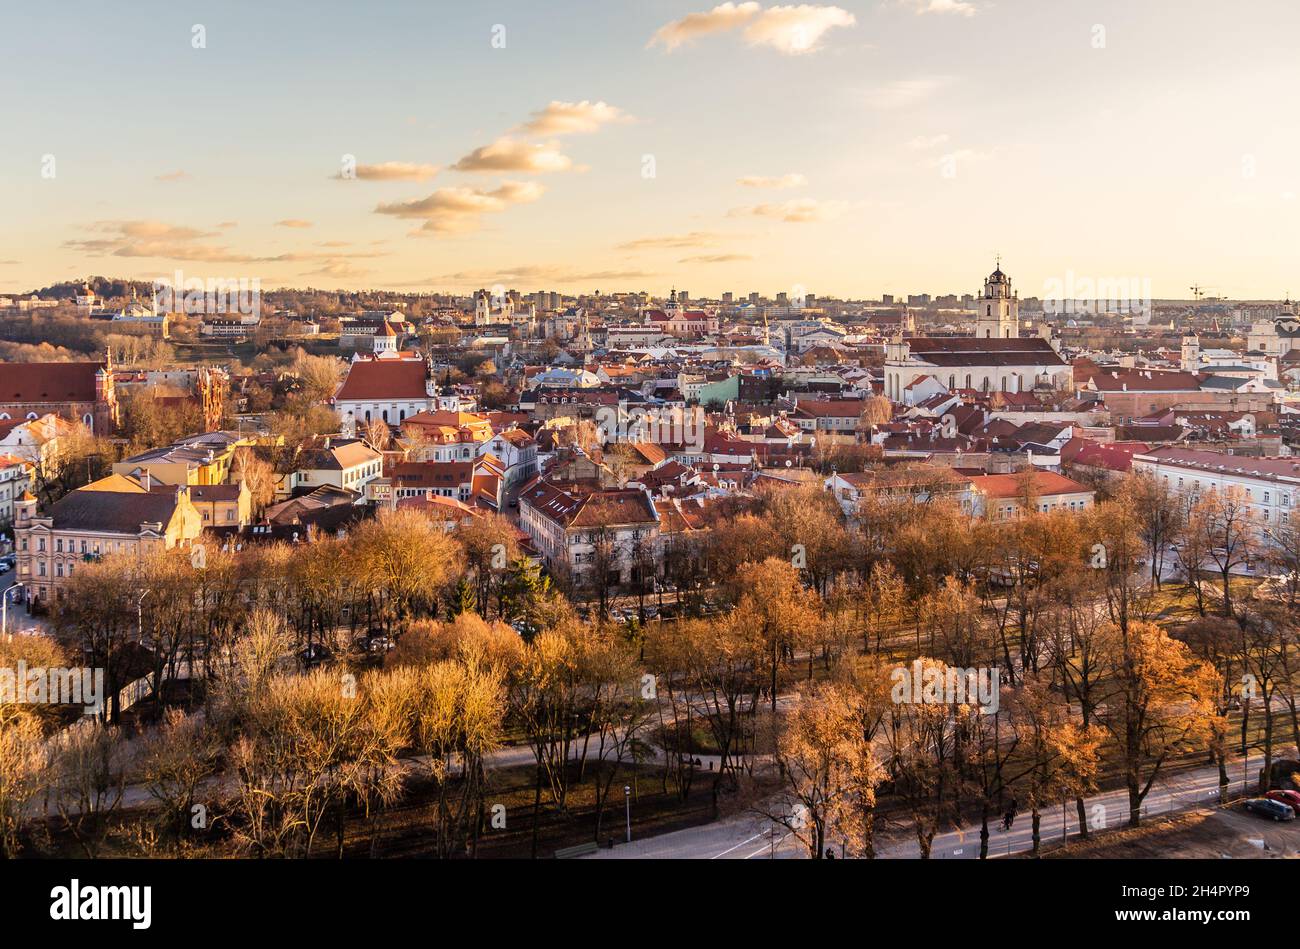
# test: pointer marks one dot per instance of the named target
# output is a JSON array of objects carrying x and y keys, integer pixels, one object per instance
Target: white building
[{"x": 1272, "y": 484}]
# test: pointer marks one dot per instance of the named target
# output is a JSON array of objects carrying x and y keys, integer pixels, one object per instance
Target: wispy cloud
[
  {"x": 792, "y": 30},
  {"x": 153, "y": 238},
  {"x": 511, "y": 155},
  {"x": 535, "y": 273},
  {"x": 797, "y": 211},
  {"x": 680, "y": 241},
  {"x": 459, "y": 209},
  {"x": 295, "y": 222},
  {"x": 905, "y": 92},
  {"x": 150, "y": 238},
  {"x": 715, "y": 258},
  {"x": 393, "y": 171},
  {"x": 572, "y": 118},
  {"x": 171, "y": 176},
  {"x": 339, "y": 268},
  {"x": 793, "y": 180}
]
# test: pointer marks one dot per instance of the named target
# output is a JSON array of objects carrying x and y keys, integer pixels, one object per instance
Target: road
[{"x": 753, "y": 837}]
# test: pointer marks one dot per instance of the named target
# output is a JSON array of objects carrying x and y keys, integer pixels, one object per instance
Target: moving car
[{"x": 1275, "y": 810}]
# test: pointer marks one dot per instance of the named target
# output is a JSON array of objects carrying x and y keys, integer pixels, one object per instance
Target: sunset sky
[{"x": 851, "y": 149}]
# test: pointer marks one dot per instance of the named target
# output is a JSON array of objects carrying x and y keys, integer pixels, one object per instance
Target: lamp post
[
  {"x": 4, "y": 607},
  {"x": 627, "y": 809},
  {"x": 139, "y": 616}
]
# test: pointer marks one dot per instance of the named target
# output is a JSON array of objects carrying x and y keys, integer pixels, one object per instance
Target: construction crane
[{"x": 1197, "y": 291}]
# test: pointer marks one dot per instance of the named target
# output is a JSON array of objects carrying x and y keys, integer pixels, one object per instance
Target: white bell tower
[{"x": 998, "y": 309}]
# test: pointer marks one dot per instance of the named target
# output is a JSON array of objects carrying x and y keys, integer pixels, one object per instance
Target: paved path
[{"x": 752, "y": 837}]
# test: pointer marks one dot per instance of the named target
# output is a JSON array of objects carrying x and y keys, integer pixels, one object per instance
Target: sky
[{"x": 846, "y": 149}]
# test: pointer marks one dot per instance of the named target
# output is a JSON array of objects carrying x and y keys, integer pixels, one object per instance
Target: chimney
[{"x": 148, "y": 480}]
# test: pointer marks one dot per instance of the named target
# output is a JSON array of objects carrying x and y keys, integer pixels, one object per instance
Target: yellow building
[{"x": 115, "y": 515}]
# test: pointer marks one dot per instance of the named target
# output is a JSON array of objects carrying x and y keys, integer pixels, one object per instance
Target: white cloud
[
  {"x": 453, "y": 210},
  {"x": 790, "y": 29},
  {"x": 571, "y": 118},
  {"x": 959, "y": 7},
  {"x": 794, "y": 30},
  {"x": 511, "y": 155},
  {"x": 905, "y": 92},
  {"x": 793, "y": 180}
]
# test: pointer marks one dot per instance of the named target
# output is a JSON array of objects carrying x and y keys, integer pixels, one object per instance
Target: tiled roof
[
  {"x": 48, "y": 381},
  {"x": 391, "y": 379}
]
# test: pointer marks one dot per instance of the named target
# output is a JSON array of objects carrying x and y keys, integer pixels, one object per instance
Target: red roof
[
  {"x": 48, "y": 381},
  {"x": 374, "y": 380}
]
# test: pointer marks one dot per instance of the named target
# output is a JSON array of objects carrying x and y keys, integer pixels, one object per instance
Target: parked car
[
  {"x": 1275, "y": 810},
  {"x": 6, "y": 563},
  {"x": 315, "y": 654},
  {"x": 1290, "y": 798}
]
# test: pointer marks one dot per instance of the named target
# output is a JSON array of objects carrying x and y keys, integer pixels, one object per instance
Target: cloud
[
  {"x": 923, "y": 142},
  {"x": 177, "y": 175},
  {"x": 788, "y": 29},
  {"x": 510, "y": 155},
  {"x": 535, "y": 273},
  {"x": 337, "y": 267},
  {"x": 459, "y": 209},
  {"x": 293, "y": 222},
  {"x": 573, "y": 118},
  {"x": 715, "y": 258},
  {"x": 905, "y": 92},
  {"x": 794, "y": 30},
  {"x": 693, "y": 239},
  {"x": 724, "y": 17},
  {"x": 152, "y": 238},
  {"x": 393, "y": 171},
  {"x": 794, "y": 180},
  {"x": 798, "y": 211},
  {"x": 148, "y": 238},
  {"x": 959, "y": 7}
]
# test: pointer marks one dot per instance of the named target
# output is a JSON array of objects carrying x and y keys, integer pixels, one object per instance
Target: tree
[
  {"x": 829, "y": 770},
  {"x": 1162, "y": 703},
  {"x": 406, "y": 560},
  {"x": 1230, "y": 529}
]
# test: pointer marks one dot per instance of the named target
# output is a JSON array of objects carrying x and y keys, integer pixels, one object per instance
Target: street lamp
[
  {"x": 139, "y": 616},
  {"x": 4, "y": 607},
  {"x": 627, "y": 808}
]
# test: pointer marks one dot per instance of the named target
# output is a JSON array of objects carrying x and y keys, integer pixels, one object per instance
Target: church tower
[{"x": 998, "y": 309}]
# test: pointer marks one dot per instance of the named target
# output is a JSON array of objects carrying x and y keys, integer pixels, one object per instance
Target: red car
[{"x": 1289, "y": 798}]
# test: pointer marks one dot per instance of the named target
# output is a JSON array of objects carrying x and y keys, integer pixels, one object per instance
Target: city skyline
[{"x": 852, "y": 149}]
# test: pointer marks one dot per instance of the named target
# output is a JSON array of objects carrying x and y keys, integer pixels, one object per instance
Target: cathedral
[{"x": 995, "y": 359}]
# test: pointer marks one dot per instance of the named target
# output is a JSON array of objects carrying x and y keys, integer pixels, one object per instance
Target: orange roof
[{"x": 1046, "y": 484}]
